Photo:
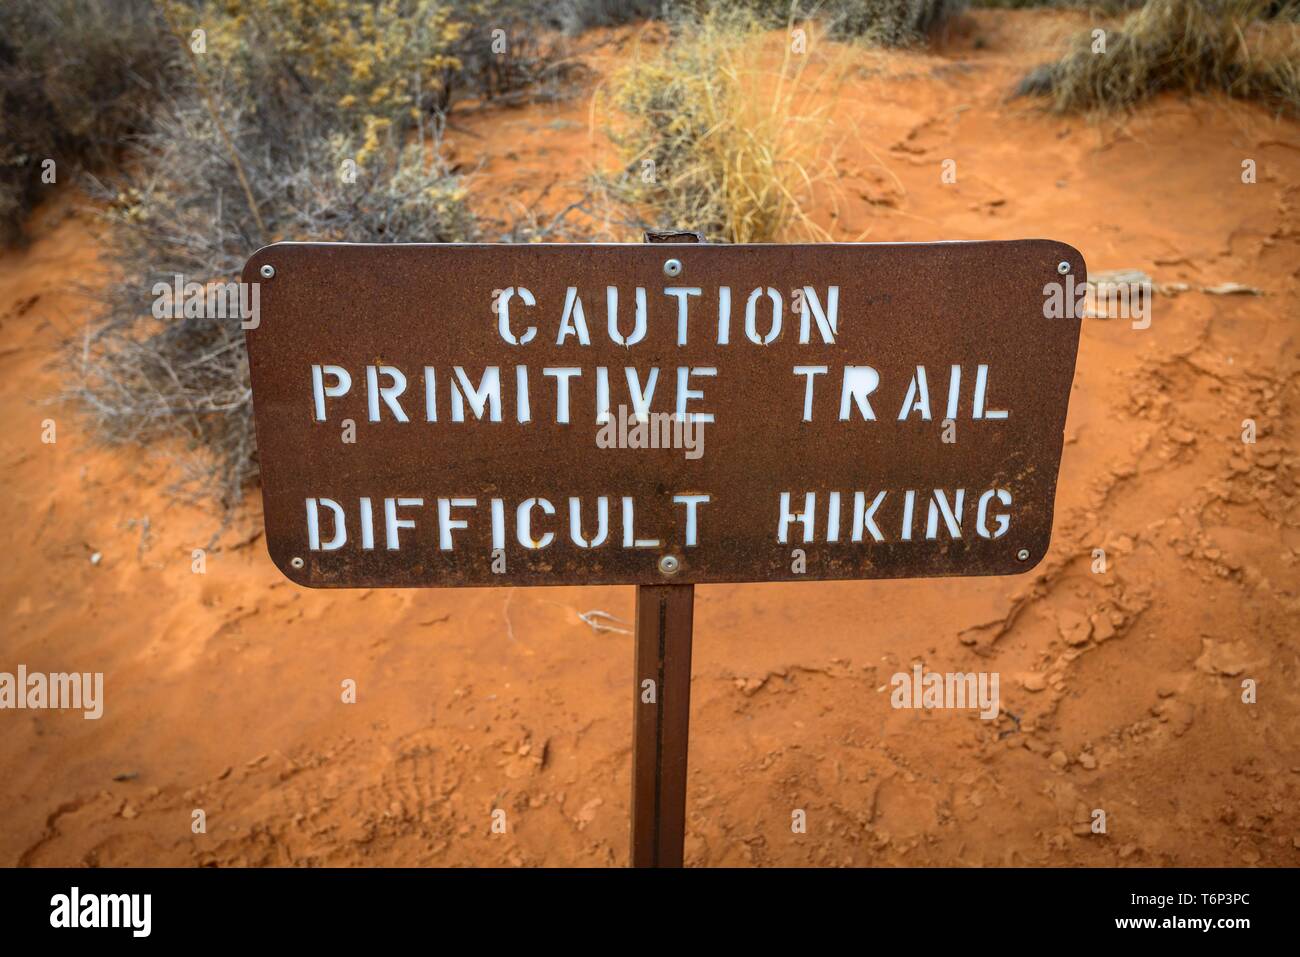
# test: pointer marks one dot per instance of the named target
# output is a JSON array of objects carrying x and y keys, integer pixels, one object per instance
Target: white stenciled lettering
[
  {"x": 751, "y": 316},
  {"x": 1001, "y": 520},
  {"x": 827, "y": 319},
  {"x": 859, "y": 383},
  {"x": 485, "y": 397},
  {"x": 503, "y": 315},
  {"x": 951, "y": 513},
  {"x": 340, "y": 536},
  {"x": 321, "y": 391},
  {"x": 691, "y": 502},
  {"x": 389, "y": 393},
  {"x": 524, "y": 523},
  {"x": 685, "y": 393},
  {"x": 574, "y": 320},
  {"x": 804, "y": 518},
  {"x": 917, "y": 398},
  {"x": 447, "y": 524},
  {"x": 602, "y": 523},
  {"x": 682, "y": 293},
  {"x": 393, "y": 524},
  {"x": 639, "y": 320},
  {"x": 809, "y": 371}
]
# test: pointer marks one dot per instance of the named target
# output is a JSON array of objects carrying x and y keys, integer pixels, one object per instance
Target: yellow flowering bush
[{"x": 373, "y": 64}]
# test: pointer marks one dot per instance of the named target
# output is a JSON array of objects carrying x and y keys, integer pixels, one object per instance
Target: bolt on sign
[{"x": 453, "y": 415}]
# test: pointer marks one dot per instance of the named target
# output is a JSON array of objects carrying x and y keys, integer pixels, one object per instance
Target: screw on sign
[{"x": 659, "y": 416}]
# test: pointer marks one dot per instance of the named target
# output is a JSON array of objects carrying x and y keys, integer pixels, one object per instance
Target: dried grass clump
[
  {"x": 712, "y": 140},
  {"x": 1187, "y": 46},
  {"x": 76, "y": 79}
]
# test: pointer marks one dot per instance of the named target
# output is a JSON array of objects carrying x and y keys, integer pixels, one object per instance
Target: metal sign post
[
  {"x": 660, "y": 723},
  {"x": 661, "y": 713}
]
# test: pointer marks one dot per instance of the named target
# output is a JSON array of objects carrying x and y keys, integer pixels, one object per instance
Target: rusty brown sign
[{"x": 452, "y": 415}]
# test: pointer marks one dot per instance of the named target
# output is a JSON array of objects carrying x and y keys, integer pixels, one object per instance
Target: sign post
[
  {"x": 660, "y": 723},
  {"x": 661, "y": 715},
  {"x": 461, "y": 415}
]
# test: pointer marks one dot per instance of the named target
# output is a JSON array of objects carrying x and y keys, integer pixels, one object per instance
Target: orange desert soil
[{"x": 1121, "y": 690}]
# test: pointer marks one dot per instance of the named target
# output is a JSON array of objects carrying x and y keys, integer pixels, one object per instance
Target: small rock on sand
[
  {"x": 1074, "y": 628},
  {"x": 1102, "y": 629},
  {"x": 1222, "y": 657}
]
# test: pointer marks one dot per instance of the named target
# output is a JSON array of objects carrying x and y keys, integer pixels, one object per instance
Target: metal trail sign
[
  {"x": 451, "y": 415},
  {"x": 659, "y": 415}
]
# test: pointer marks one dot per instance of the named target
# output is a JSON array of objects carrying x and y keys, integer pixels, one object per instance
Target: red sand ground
[{"x": 223, "y": 689}]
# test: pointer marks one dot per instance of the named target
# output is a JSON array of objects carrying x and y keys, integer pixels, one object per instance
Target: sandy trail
[{"x": 223, "y": 689}]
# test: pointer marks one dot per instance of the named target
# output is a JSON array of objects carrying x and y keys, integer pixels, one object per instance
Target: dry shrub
[
  {"x": 712, "y": 140},
  {"x": 76, "y": 78},
  {"x": 234, "y": 162},
  {"x": 1102, "y": 6},
  {"x": 142, "y": 379},
  {"x": 386, "y": 58},
  {"x": 1182, "y": 46},
  {"x": 242, "y": 122},
  {"x": 369, "y": 67},
  {"x": 296, "y": 119},
  {"x": 574, "y": 16},
  {"x": 506, "y": 59},
  {"x": 883, "y": 22},
  {"x": 79, "y": 77},
  {"x": 891, "y": 22}
]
